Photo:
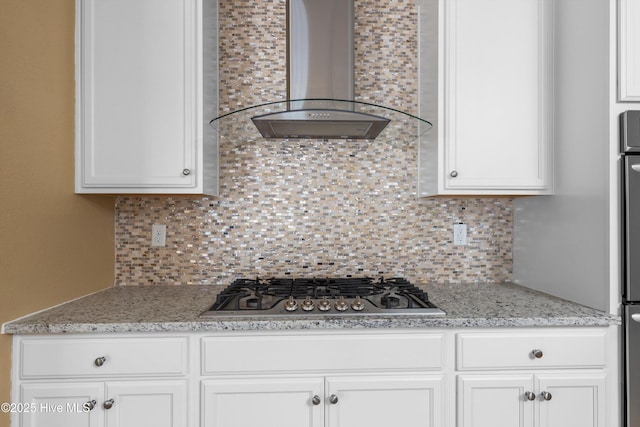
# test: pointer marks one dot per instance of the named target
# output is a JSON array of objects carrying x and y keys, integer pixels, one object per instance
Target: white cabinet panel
[
  {"x": 494, "y": 130},
  {"x": 629, "y": 50},
  {"x": 309, "y": 353},
  {"x": 265, "y": 402},
  {"x": 375, "y": 401},
  {"x": 571, "y": 400},
  {"x": 61, "y": 404},
  {"x": 531, "y": 350},
  {"x": 147, "y": 403},
  {"x": 104, "y": 357},
  {"x": 494, "y": 400},
  {"x": 139, "y": 88}
]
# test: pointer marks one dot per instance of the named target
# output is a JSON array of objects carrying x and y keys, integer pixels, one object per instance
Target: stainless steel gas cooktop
[{"x": 350, "y": 296}]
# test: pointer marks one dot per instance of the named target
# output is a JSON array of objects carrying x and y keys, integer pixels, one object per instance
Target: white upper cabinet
[
  {"x": 493, "y": 132},
  {"x": 629, "y": 50},
  {"x": 140, "y": 125}
]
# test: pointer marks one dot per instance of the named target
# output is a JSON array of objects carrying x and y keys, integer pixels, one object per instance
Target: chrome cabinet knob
[
  {"x": 108, "y": 404},
  {"x": 315, "y": 400},
  {"x": 546, "y": 395},
  {"x": 453, "y": 174},
  {"x": 530, "y": 395},
  {"x": 89, "y": 405},
  {"x": 333, "y": 399},
  {"x": 186, "y": 172},
  {"x": 99, "y": 361},
  {"x": 536, "y": 354}
]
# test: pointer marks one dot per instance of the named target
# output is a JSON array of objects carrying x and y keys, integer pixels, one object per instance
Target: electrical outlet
[
  {"x": 158, "y": 235},
  {"x": 460, "y": 234}
]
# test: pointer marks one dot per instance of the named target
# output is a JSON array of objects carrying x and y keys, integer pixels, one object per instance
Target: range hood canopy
[{"x": 320, "y": 87}]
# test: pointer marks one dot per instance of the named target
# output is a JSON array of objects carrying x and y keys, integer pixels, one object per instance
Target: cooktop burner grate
[{"x": 322, "y": 296}]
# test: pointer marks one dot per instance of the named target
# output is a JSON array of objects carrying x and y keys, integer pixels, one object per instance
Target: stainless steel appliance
[
  {"x": 321, "y": 64},
  {"x": 295, "y": 297},
  {"x": 630, "y": 148}
]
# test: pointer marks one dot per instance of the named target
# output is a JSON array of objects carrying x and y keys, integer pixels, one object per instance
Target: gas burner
[{"x": 321, "y": 297}]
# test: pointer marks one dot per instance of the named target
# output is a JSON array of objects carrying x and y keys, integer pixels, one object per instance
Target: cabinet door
[
  {"x": 497, "y": 68},
  {"x": 61, "y": 404},
  {"x": 495, "y": 401},
  {"x": 137, "y": 95},
  {"x": 406, "y": 401},
  {"x": 629, "y": 52},
  {"x": 269, "y": 402},
  {"x": 571, "y": 400},
  {"x": 146, "y": 403}
]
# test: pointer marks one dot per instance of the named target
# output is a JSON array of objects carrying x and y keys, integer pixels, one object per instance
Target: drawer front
[
  {"x": 531, "y": 350},
  {"x": 315, "y": 353},
  {"x": 100, "y": 357}
]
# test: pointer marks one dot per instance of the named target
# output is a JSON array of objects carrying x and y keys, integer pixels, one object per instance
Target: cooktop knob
[
  {"x": 357, "y": 304},
  {"x": 291, "y": 304},
  {"x": 324, "y": 304},
  {"x": 307, "y": 304},
  {"x": 341, "y": 304}
]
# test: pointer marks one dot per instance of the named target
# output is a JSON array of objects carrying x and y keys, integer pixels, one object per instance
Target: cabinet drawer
[
  {"x": 82, "y": 357},
  {"x": 320, "y": 352},
  {"x": 518, "y": 350}
]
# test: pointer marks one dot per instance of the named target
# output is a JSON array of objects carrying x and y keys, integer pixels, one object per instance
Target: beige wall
[{"x": 54, "y": 245}]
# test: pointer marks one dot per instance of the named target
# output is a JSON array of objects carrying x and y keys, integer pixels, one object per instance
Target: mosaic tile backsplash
[{"x": 314, "y": 208}]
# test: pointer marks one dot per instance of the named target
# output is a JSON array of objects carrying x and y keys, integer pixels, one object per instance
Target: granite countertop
[{"x": 177, "y": 308}]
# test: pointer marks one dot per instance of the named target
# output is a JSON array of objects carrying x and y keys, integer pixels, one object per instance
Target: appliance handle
[
  {"x": 635, "y": 317},
  {"x": 636, "y": 167}
]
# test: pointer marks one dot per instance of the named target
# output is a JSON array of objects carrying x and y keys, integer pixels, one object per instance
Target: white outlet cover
[
  {"x": 158, "y": 235},
  {"x": 460, "y": 234}
]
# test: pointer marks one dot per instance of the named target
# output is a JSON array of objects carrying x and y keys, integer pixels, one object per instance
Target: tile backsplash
[
  {"x": 329, "y": 209},
  {"x": 314, "y": 208}
]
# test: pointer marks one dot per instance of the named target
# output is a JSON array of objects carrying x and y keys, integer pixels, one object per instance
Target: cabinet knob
[
  {"x": 453, "y": 174},
  {"x": 89, "y": 405},
  {"x": 99, "y": 361},
  {"x": 333, "y": 399},
  {"x": 316, "y": 400},
  {"x": 546, "y": 395},
  {"x": 530, "y": 395},
  {"x": 186, "y": 172},
  {"x": 108, "y": 404},
  {"x": 536, "y": 354}
]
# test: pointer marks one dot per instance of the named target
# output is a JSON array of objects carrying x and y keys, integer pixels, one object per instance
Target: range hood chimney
[{"x": 320, "y": 77}]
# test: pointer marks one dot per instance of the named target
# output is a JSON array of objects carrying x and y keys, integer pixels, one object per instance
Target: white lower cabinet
[
  {"x": 101, "y": 380},
  {"x": 521, "y": 400},
  {"x": 537, "y": 378},
  {"x": 323, "y": 379},
  {"x": 429, "y": 377},
  {"x": 571, "y": 400},
  {"x": 374, "y": 401},
  {"x": 354, "y": 401},
  {"x": 112, "y": 404},
  {"x": 55, "y": 404},
  {"x": 268, "y": 402}
]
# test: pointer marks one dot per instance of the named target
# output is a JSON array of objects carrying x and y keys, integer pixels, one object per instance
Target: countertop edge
[{"x": 283, "y": 325}]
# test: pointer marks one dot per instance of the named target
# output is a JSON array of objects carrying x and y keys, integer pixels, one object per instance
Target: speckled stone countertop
[{"x": 177, "y": 309}]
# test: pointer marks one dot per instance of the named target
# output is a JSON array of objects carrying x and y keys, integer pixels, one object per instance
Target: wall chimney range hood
[{"x": 320, "y": 79}]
